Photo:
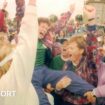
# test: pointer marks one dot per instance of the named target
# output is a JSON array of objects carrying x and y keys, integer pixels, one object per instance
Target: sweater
[{"x": 40, "y": 55}]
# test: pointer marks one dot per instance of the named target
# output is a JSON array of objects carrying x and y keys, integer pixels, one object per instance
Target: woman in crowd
[{"x": 77, "y": 62}]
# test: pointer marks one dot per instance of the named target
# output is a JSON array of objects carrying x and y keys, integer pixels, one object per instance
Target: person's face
[
  {"x": 64, "y": 53},
  {"x": 74, "y": 52},
  {"x": 43, "y": 28}
]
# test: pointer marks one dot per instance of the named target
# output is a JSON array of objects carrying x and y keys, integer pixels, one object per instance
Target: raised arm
[
  {"x": 64, "y": 19},
  {"x": 18, "y": 78}
]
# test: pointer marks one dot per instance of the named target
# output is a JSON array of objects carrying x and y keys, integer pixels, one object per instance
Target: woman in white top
[{"x": 18, "y": 78}]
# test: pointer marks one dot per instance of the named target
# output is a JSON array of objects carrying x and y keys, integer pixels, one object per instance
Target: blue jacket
[{"x": 42, "y": 76}]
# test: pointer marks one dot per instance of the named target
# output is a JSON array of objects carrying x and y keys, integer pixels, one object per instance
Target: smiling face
[
  {"x": 64, "y": 51},
  {"x": 74, "y": 49},
  {"x": 75, "y": 53},
  {"x": 43, "y": 28},
  {"x": 44, "y": 25}
]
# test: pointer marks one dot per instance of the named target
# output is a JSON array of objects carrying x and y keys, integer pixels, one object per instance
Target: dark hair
[{"x": 43, "y": 20}]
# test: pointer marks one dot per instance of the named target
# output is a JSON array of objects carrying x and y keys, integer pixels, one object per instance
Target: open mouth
[
  {"x": 65, "y": 56},
  {"x": 41, "y": 33},
  {"x": 70, "y": 55}
]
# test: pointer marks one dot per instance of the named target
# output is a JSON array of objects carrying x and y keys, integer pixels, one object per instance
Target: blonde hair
[{"x": 80, "y": 40}]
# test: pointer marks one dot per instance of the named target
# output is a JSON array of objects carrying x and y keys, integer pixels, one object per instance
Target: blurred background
[{"x": 48, "y": 7}]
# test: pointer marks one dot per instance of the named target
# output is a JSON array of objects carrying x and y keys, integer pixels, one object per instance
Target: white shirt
[{"x": 18, "y": 78}]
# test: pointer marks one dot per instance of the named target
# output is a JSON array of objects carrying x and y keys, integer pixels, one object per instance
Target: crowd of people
[{"x": 52, "y": 61}]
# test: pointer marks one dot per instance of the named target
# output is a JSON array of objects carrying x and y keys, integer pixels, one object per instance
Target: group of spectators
[
  {"x": 69, "y": 65},
  {"x": 80, "y": 51}
]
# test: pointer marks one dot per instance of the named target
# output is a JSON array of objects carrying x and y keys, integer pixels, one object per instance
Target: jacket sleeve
[{"x": 100, "y": 91}]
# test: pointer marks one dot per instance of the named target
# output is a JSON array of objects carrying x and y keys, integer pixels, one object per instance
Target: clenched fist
[
  {"x": 63, "y": 83},
  {"x": 90, "y": 96}
]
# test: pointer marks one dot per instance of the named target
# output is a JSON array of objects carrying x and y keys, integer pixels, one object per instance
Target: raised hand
[
  {"x": 90, "y": 11},
  {"x": 4, "y": 4},
  {"x": 32, "y": 2},
  {"x": 72, "y": 8}
]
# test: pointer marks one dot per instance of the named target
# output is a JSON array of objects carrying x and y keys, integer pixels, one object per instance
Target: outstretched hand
[{"x": 90, "y": 97}]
